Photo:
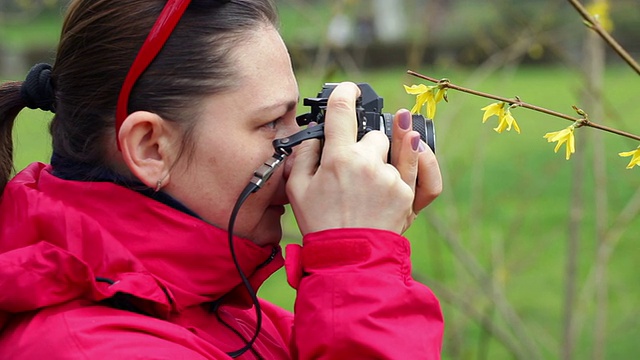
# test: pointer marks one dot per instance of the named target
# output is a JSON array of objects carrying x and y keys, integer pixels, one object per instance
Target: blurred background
[{"x": 531, "y": 255}]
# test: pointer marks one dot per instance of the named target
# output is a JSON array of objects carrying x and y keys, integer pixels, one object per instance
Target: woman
[{"x": 118, "y": 249}]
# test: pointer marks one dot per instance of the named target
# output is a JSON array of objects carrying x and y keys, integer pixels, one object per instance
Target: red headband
[{"x": 162, "y": 29}]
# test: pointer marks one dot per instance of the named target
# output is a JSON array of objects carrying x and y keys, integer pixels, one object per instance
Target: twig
[
  {"x": 595, "y": 26},
  {"x": 595, "y": 61},
  {"x": 525, "y": 105},
  {"x": 493, "y": 292},
  {"x": 468, "y": 308},
  {"x": 612, "y": 238}
]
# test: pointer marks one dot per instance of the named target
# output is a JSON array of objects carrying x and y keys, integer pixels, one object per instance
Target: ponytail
[
  {"x": 36, "y": 92},
  {"x": 10, "y": 105}
]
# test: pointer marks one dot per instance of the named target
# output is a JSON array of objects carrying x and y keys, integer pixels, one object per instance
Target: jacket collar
[{"x": 120, "y": 234}]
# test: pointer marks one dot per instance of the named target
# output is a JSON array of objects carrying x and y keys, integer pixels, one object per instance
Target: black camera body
[{"x": 369, "y": 114}]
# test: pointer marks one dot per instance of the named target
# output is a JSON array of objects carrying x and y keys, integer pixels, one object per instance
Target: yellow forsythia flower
[
  {"x": 561, "y": 137},
  {"x": 429, "y": 95},
  {"x": 493, "y": 109},
  {"x": 635, "y": 160},
  {"x": 506, "y": 120},
  {"x": 599, "y": 9}
]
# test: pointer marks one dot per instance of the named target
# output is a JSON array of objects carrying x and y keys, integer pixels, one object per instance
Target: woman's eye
[{"x": 272, "y": 125}]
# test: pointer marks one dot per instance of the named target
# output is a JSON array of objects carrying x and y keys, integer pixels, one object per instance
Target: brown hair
[{"x": 99, "y": 40}]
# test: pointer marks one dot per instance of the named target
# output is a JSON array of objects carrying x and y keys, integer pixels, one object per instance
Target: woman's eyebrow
[{"x": 289, "y": 105}]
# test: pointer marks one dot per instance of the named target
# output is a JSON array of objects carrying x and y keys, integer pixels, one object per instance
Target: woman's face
[{"x": 233, "y": 136}]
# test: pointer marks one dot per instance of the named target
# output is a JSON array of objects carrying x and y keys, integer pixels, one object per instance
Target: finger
[
  {"x": 376, "y": 144},
  {"x": 429, "y": 184},
  {"x": 401, "y": 126},
  {"x": 407, "y": 158},
  {"x": 306, "y": 157},
  {"x": 340, "y": 120}
]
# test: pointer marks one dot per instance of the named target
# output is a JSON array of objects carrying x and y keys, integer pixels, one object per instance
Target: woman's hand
[{"x": 349, "y": 184}]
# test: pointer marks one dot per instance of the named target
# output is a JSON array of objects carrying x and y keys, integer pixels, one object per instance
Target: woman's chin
[
  {"x": 268, "y": 238},
  {"x": 269, "y": 230}
]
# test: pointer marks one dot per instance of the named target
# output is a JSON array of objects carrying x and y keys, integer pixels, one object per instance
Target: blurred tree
[
  {"x": 390, "y": 20},
  {"x": 20, "y": 10}
]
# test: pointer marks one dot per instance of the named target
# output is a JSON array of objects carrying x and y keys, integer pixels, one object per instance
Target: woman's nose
[{"x": 288, "y": 164}]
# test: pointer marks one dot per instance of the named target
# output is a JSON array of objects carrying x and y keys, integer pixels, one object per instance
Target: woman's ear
[{"x": 145, "y": 141}]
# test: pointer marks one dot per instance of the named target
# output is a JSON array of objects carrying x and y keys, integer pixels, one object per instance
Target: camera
[
  {"x": 369, "y": 117},
  {"x": 369, "y": 114}
]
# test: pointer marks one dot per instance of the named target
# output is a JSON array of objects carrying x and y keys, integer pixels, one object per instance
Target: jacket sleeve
[{"x": 356, "y": 298}]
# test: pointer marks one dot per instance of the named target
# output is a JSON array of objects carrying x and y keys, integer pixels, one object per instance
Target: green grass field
[{"x": 506, "y": 203}]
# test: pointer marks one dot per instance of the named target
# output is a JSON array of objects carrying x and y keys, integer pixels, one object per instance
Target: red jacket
[{"x": 70, "y": 251}]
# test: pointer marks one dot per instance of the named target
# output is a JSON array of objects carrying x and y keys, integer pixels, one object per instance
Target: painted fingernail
[
  {"x": 405, "y": 120},
  {"x": 416, "y": 143}
]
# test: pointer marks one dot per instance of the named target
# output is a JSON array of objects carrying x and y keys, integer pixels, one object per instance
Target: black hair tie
[{"x": 37, "y": 90}]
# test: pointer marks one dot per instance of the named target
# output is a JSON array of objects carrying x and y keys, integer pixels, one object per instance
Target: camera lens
[{"x": 421, "y": 124}]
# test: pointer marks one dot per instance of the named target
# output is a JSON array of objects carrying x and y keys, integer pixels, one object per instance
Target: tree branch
[
  {"x": 525, "y": 105},
  {"x": 593, "y": 24}
]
